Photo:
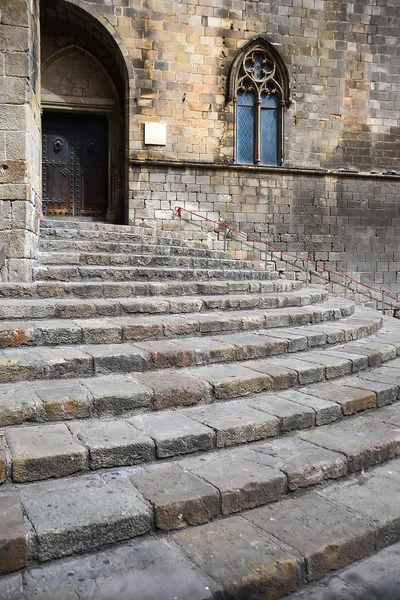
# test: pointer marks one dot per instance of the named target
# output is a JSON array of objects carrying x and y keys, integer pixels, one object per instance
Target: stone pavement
[{"x": 176, "y": 431}]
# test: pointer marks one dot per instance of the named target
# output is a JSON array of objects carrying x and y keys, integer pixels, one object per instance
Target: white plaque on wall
[{"x": 155, "y": 134}]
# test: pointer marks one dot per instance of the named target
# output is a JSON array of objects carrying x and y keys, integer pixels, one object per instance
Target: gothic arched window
[{"x": 259, "y": 88}]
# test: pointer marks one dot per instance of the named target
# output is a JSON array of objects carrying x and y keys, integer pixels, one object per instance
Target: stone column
[{"x": 20, "y": 137}]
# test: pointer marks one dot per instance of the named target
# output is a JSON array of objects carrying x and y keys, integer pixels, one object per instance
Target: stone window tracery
[{"x": 258, "y": 86}]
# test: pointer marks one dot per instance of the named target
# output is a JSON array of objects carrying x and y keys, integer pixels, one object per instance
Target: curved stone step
[
  {"x": 284, "y": 547},
  {"x": 56, "y": 450},
  {"x": 88, "y": 360},
  {"x": 88, "y": 259},
  {"x": 123, "y": 233},
  {"x": 60, "y": 273},
  {"x": 89, "y": 511},
  {"x": 94, "y": 246},
  {"x": 108, "y": 289},
  {"x": 128, "y": 394},
  {"x": 60, "y": 308}
]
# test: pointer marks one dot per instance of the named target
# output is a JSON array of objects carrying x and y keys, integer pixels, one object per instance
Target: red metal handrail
[{"x": 304, "y": 259}]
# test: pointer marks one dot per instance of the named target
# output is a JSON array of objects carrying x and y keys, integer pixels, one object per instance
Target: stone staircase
[{"x": 179, "y": 425}]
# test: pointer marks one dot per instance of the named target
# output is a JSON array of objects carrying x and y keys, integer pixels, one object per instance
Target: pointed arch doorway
[{"x": 83, "y": 100}]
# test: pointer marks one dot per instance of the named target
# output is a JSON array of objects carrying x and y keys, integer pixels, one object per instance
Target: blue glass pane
[
  {"x": 269, "y": 136},
  {"x": 269, "y": 101},
  {"x": 245, "y": 98},
  {"x": 245, "y": 128}
]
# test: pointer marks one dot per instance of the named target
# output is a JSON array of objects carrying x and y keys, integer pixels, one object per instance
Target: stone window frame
[{"x": 275, "y": 81}]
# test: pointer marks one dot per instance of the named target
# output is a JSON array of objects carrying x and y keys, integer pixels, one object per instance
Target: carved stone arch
[
  {"x": 281, "y": 74},
  {"x": 76, "y": 27},
  {"x": 113, "y": 33},
  {"x": 108, "y": 100}
]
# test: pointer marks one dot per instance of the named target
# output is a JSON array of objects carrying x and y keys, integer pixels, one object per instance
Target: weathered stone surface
[
  {"x": 118, "y": 394},
  {"x": 240, "y": 559},
  {"x": 359, "y": 361},
  {"x": 44, "y": 451},
  {"x": 325, "y": 411},
  {"x": 386, "y": 393},
  {"x": 235, "y": 422},
  {"x": 17, "y": 333},
  {"x": 251, "y": 346},
  {"x": 99, "y": 332},
  {"x": 165, "y": 355},
  {"x": 174, "y": 389},
  {"x": 210, "y": 350},
  {"x": 351, "y": 400},
  {"x": 306, "y": 372},
  {"x": 113, "y": 444},
  {"x": 67, "y": 362},
  {"x": 327, "y": 535},
  {"x": 117, "y": 358},
  {"x": 291, "y": 415},
  {"x": 377, "y": 576},
  {"x": 64, "y": 399},
  {"x": 82, "y": 514},
  {"x": 366, "y": 441},
  {"x": 374, "y": 495},
  {"x": 18, "y": 403},
  {"x": 334, "y": 367},
  {"x": 3, "y": 462},
  {"x": 13, "y": 538},
  {"x": 150, "y": 569},
  {"x": 20, "y": 365},
  {"x": 242, "y": 484},
  {"x": 138, "y": 330},
  {"x": 11, "y": 587},
  {"x": 59, "y": 332},
  {"x": 304, "y": 464},
  {"x": 178, "y": 498},
  {"x": 231, "y": 381},
  {"x": 281, "y": 377},
  {"x": 174, "y": 433}
]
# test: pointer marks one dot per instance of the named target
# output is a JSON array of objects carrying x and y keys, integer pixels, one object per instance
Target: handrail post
[
  {"x": 383, "y": 301},
  {"x": 225, "y": 237},
  {"x": 346, "y": 285},
  {"x": 307, "y": 272}
]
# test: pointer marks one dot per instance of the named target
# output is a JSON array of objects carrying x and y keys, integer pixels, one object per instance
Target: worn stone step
[
  {"x": 66, "y": 273},
  {"x": 108, "y": 289},
  {"x": 57, "y": 245},
  {"x": 121, "y": 232},
  {"x": 138, "y": 260},
  {"x": 62, "y": 308},
  {"x": 87, "y": 512},
  {"x": 167, "y": 325},
  {"x": 56, "y": 450},
  {"x": 91, "y": 359},
  {"x": 376, "y": 577},
  {"x": 130, "y": 393},
  {"x": 265, "y": 552},
  {"x": 195, "y": 335}
]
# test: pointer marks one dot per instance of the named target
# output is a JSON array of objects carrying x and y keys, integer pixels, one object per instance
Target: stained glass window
[
  {"x": 259, "y": 85},
  {"x": 245, "y": 127},
  {"x": 269, "y": 130}
]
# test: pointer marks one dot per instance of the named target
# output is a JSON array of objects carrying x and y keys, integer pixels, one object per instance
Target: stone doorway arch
[{"x": 84, "y": 103}]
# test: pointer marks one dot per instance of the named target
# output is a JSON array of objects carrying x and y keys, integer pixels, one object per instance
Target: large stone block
[{"x": 13, "y": 537}]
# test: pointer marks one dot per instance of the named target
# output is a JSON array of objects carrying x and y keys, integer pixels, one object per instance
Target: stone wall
[
  {"x": 19, "y": 137},
  {"x": 347, "y": 222},
  {"x": 342, "y": 61}
]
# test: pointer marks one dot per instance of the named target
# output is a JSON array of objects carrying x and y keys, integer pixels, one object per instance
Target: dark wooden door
[{"x": 75, "y": 165}]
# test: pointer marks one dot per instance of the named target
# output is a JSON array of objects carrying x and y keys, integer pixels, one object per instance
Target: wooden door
[{"x": 75, "y": 165}]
